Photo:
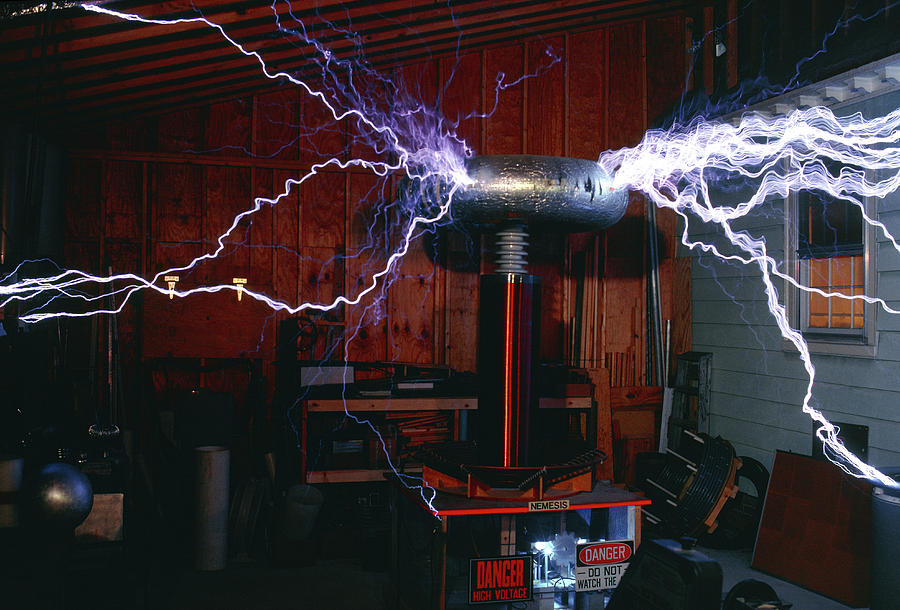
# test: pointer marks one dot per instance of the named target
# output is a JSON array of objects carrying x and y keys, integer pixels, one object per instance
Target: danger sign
[
  {"x": 500, "y": 579},
  {"x": 600, "y": 565}
]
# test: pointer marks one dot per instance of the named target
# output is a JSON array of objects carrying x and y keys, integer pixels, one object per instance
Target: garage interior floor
[
  {"x": 342, "y": 584},
  {"x": 320, "y": 583}
]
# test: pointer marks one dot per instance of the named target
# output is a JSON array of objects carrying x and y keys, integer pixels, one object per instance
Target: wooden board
[
  {"x": 202, "y": 326},
  {"x": 603, "y": 420},
  {"x": 816, "y": 528},
  {"x": 287, "y": 237},
  {"x": 262, "y": 253},
  {"x": 626, "y": 91},
  {"x": 635, "y": 396},
  {"x": 366, "y": 255},
  {"x": 587, "y": 94},
  {"x": 277, "y": 124},
  {"x": 229, "y": 130},
  {"x": 83, "y": 184},
  {"x": 503, "y": 126},
  {"x": 665, "y": 79},
  {"x": 462, "y": 97},
  {"x": 411, "y": 308},
  {"x": 546, "y": 254},
  {"x": 123, "y": 135},
  {"x": 226, "y": 194},
  {"x": 323, "y": 200},
  {"x": 545, "y": 97},
  {"x": 461, "y": 304},
  {"x": 425, "y": 403},
  {"x": 176, "y": 199},
  {"x": 321, "y": 137},
  {"x": 122, "y": 193},
  {"x": 182, "y": 131}
]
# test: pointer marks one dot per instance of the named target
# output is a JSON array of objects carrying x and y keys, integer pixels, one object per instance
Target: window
[{"x": 830, "y": 249}]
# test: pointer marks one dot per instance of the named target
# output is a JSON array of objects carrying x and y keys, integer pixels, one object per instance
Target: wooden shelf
[
  {"x": 353, "y": 475},
  {"x": 425, "y": 403},
  {"x": 452, "y": 405},
  {"x": 572, "y": 402}
]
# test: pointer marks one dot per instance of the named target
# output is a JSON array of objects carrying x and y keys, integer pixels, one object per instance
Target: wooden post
[{"x": 602, "y": 420}]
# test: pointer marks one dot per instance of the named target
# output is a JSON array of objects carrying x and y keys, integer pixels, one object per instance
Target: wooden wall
[{"x": 153, "y": 193}]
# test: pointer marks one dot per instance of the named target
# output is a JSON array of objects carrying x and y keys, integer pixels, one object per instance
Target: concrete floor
[
  {"x": 341, "y": 584},
  {"x": 327, "y": 584},
  {"x": 736, "y": 567}
]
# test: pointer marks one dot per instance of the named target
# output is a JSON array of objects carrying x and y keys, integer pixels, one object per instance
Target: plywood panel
[
  {"x": 503, "y": 126},
  {"x": 182, "y": 131},
  {"x": 228, "y": 128},
  {"x": 816, "y": 529},
  {"x": 127, "y": 259},
  {"x": 587, "y": 93},
  {"x": 277, "y": 124},
  {"x": 202, "y": 326},
  {"x": 227, "y": 194},
  {"x": 461, "y": 98},
  {"x": 665, "y": 79},
  {"x": 127, "y": 135},
  {"x": 322, "y": 199},
  {"x": 321, "y": 136},
  {"x": 626, "y": 91},
  {"x": 287, "y": 236},
  {"x": 83, "y": 199},
  {"x": 176, "y": 202},
  {"x": 167, "y": 255},
  {"x": 371, "y": 95},
  {"x": 261, "y": 230},
  {"x": 419, "y": 82},
  {"x": 322, "y": 279},
  {"x": 411, "y": 306},
  {"x": 82, "y": 255},
  {"x": 123, "y": 193},
  {"x": 461, "y": 303},
  {"x": 545, "y": 97},
  {"x": 366, "y": 325}
]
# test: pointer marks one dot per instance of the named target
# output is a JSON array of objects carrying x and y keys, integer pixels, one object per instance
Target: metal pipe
[
  {"x": 655, "y": 306},
  {"x": 211, "y": 508}
]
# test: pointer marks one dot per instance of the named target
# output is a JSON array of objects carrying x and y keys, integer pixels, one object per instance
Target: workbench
[{"x": 435, "y": 535}]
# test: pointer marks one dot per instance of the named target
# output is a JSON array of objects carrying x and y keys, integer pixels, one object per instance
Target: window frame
[{"x": 839, "y": 342}]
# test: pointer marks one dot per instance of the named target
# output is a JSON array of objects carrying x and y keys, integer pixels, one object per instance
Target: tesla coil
[{"x": 515, "y": 195}]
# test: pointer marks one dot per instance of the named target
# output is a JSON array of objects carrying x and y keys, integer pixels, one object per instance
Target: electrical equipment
[
  {"x": 669, "y": 575},
  {"x": 692, "y": 487}
]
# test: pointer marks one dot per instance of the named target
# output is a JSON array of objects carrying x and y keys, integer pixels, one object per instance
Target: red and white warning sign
[{"x": 600, "y": 565}]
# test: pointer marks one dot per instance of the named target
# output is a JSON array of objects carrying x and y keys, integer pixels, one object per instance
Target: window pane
[
  {"x": 843, "y": 274},
  {"x": 828, "y": 226},
  {"x": 818, "y": 311},
  {"x": 819, "y": 269}
]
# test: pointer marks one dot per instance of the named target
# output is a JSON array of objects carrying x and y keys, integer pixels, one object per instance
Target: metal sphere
[{"x": 59, "y": 496}]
